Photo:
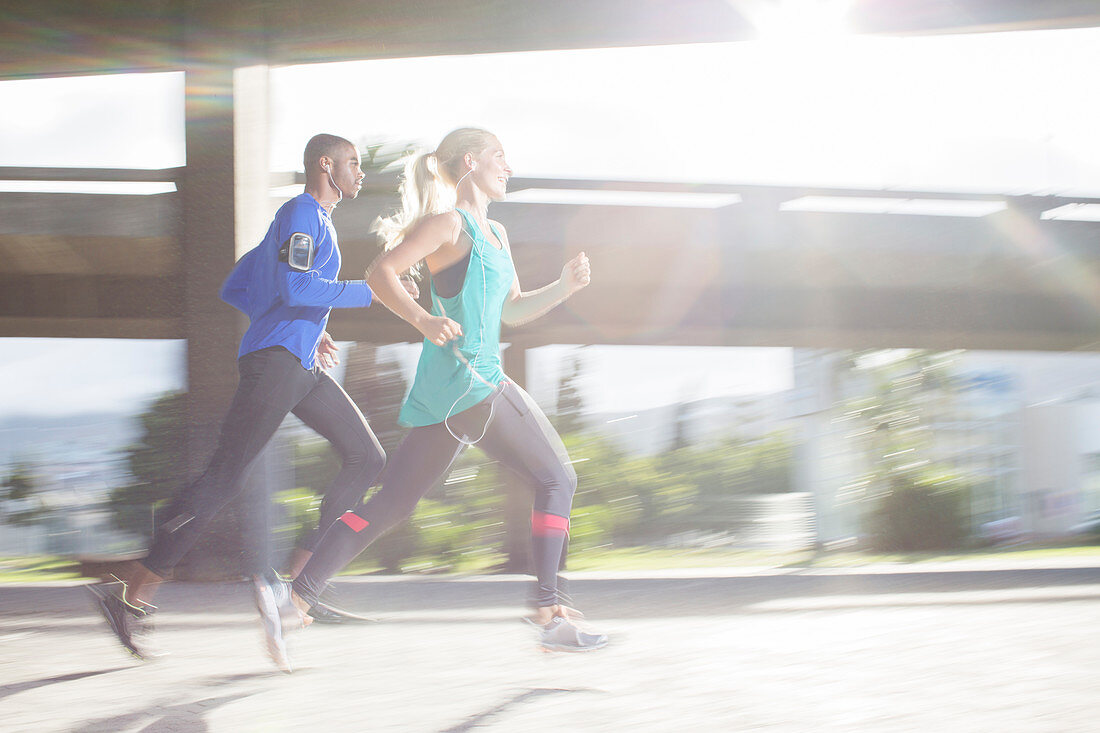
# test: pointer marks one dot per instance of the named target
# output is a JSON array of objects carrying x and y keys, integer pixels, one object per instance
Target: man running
[{"x": 287, "y": 286}]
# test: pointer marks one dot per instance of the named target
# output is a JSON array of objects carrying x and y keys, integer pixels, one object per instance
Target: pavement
[{"x": 978, "y": 646}]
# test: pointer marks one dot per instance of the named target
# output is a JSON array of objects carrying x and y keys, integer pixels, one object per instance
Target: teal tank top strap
[
  {"x": 468, "y": 224},
  {"x": 472, "y": 228}
]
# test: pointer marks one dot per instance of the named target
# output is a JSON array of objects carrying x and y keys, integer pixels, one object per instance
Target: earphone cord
[
  {"x": 497, "y": 391},
  {"x": 317, "y": 268},
  {"x": 460, "y": 180},
  {"x": 338, "y": 191},
  {"x": 471, "y": 368}
]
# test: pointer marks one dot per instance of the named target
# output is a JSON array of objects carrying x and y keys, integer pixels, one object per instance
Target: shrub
[{"x": 918, "y": 517}]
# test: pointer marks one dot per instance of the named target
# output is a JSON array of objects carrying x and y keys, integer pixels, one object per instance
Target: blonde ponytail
[
  {"x": 428, "y": 184},
  {"x": 422, "y": 192}
]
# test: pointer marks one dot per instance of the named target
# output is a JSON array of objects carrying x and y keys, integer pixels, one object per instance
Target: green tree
[
  {"x": 680, "y": 426},
  {"x": 913, "y": 501},
  {"x": 376, "y": 383},
  {"x": 919, "y": 515},
  {"x": 570, "y": 406},
  {"x": 21, "y": 487},
  {"x": 157, "y": 464},
  {"x": 771, "y": 461},
  {"x": 378, "y": 155}
]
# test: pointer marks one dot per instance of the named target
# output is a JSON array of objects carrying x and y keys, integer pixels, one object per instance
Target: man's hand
[
  {"x": 411, "y": 287},
  {"x": 326, "y": 352},
  {"x": 577, "y": 273}
]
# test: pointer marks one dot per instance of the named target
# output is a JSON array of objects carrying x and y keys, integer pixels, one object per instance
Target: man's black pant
[{"x": 272, "y": 384}]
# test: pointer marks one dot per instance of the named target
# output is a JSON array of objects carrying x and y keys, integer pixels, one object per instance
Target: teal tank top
[{"x": 443, "y": 385}]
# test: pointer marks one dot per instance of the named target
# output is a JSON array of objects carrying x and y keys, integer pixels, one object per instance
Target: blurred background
[{"x": 844, "y": 292}]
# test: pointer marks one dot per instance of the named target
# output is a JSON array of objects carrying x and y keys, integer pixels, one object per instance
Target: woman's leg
[
  {"x": 329, "y": 411},
  {"x": 523, "y": 440},
  {"x": 421, "y": 461}
]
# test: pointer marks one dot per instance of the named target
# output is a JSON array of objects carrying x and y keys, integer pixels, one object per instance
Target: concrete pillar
[
  {"x": 251, "y": 173},
  {"x": 224, "y": 194}
]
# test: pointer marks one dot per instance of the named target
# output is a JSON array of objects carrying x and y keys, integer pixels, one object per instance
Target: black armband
[{"x": 297, "y": 251}]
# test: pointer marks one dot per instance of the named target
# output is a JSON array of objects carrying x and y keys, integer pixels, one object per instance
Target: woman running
[{"x": 461, "y": 395}]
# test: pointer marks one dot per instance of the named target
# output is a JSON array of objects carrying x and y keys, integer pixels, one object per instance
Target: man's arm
[
  {"x": 235, "y": 288},
  {"x": 309, "y": 247},
  {"x": 309, "y": 288}
]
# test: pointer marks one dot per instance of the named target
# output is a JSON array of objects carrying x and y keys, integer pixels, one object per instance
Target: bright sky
[
  {"x": 64, "y": 376},
  {"x": 1007, "y": 112},
  {"x": 124, "y": 121},
  {"x": 656, "y": 376}
]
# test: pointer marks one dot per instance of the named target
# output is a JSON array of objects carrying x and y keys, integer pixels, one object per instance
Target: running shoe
[
  {"x": 563, "y": 635},
  {"x": 327, "y": 610},
  {"x": 323, "y": 613},
  {"x": 278, "y": 615},
  {"x": 130, "y": 623}
]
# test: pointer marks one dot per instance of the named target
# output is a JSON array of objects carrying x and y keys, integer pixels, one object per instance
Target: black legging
[
  {"x": 519, "y": 437},
  {"x": 272, "y": 384}
]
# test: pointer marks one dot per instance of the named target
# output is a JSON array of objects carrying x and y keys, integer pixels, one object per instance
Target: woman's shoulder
[
  {"x": 451, "y": 217},
  {"x": 436, "y": 231},
  {"x": 442, "y": 220},
  {"x": 437, "y": 227}
]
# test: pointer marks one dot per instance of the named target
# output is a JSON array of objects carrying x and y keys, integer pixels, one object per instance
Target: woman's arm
[
  {"x": 383, "y": 277},
  {"x": 522, "y": 307}
]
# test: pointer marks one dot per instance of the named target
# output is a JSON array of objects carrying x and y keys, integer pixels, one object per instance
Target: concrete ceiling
[{"x": 61, "y": 37}]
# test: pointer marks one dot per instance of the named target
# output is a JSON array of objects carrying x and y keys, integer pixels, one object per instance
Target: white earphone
[
  {"x": 473, "y": 166},
  {"x": 328, "y": 169}
]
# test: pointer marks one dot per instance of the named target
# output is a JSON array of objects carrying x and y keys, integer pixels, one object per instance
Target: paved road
[{"x": 967, "y": 647}]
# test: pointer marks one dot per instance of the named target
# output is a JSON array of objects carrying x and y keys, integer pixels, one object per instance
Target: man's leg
[
  {"x": 329, "y": 411},
  {"x": 420, "y": 463},
  {"x": 256, "y": 521},
  {"x": 272, "y": 383}
]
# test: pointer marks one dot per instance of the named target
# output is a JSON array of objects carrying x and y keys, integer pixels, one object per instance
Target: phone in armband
[{"x": 298, "y": 252}]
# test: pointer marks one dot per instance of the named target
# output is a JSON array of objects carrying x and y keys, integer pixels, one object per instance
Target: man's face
[{"x": 346, "y": 173}]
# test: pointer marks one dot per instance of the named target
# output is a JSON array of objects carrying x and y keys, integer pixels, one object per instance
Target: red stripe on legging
[
  {"x": 357, "y": 523},
  {"x": 543, "y": 524}
]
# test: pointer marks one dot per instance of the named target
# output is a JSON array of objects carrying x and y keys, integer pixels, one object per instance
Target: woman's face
[{"x": 492, "y": 172}]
